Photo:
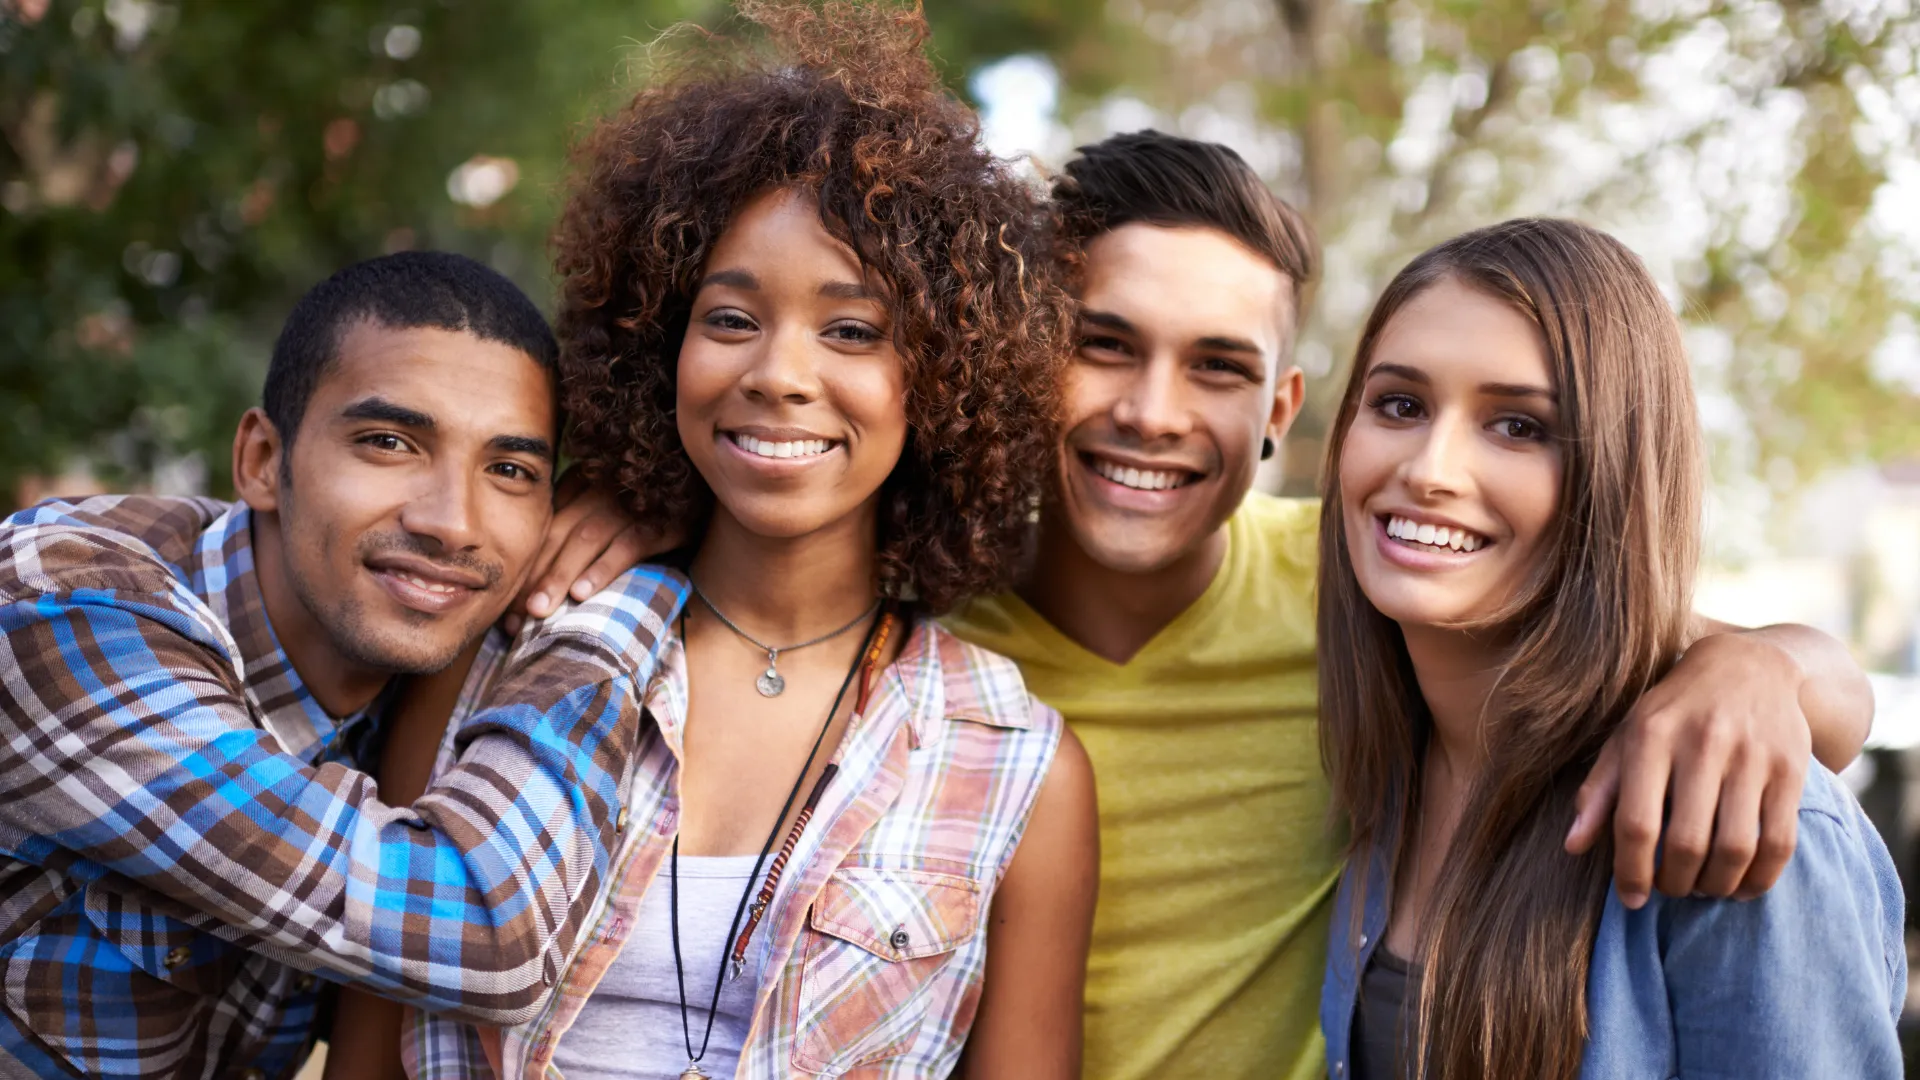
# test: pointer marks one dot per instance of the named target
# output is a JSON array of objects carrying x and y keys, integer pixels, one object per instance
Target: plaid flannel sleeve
[{"x": 131, "y": 749}]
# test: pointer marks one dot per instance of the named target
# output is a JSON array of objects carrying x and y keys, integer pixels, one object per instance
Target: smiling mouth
[
  {"x": 794, "y": 448},
  {"x": 439, "y": 588},
  {"x": 1435, "y": 538},
  {"x": 1138, "y": 479}
]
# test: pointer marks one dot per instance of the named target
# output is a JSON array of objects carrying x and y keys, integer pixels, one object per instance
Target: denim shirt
[{"x": 1805, "y": 981}]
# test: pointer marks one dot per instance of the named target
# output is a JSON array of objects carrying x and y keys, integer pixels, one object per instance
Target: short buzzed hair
[
  {"x": 404, "y": 291},
  {"x": 1158, "y": 179}
]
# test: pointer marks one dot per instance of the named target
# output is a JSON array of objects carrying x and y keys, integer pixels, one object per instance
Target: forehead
[
  {"x": 779, "y": 231},
  {"x": 462, "y": 380},
  {"x": 1180, "y": 284},
  {"x": 1451, "y": 330}
]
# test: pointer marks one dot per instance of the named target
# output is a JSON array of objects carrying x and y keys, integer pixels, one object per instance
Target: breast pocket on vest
[{"x": 875, "y": 941}]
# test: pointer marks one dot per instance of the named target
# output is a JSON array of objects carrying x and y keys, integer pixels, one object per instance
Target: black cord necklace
[{"x": 693, "y": 1070}]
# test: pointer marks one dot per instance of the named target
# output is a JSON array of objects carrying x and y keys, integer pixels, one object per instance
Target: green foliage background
[{"x": 173, "y": 175}]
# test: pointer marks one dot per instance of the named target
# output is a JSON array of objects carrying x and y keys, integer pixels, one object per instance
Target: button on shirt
[
  {"x": 186, "y": 837},
  {"x": 1806, "y": 981}
]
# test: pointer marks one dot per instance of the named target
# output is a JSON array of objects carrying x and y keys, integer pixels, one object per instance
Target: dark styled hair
[
  {"x": 839, "y": 102},
  {"x": 1602, "y": 615},
  {"x": 403, "y": 291},
  {"x": 1160, "y": 179}
]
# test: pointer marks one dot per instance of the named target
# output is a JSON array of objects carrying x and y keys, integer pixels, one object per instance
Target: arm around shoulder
[
  {"x": 1808, "y": 980},
  {"x": 1038, "y": 933}
]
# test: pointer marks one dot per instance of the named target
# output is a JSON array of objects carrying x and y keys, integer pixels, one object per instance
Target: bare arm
[
  {"x": 1037, "y": 935},
  {"x": 365, "y": 1044},
  {"x": 1708, "y": 768}
]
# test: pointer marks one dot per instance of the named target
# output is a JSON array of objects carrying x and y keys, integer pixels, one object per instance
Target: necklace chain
[
  {"x": 693, "y": 1069},
  {"x": 770, "y": 683}
]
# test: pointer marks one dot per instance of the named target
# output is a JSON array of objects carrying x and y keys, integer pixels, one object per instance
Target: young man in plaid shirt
[{"x": 191, "y": 697}]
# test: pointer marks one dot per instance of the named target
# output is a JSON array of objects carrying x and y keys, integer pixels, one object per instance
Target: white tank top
[{"x": 629, "y": 1028}]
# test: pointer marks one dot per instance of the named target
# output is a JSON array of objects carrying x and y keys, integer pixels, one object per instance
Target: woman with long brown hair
[{"x": 1508, "y": 547}]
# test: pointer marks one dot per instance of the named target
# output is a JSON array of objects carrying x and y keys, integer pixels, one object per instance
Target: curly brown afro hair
[{"x": 840, "y": 101}]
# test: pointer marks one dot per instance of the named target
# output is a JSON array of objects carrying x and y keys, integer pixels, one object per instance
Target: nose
[
  {"x": 783, "y": 370},
  {"x": 1438, "y": 467},
  {"x": 1154, "y": 406},
  {"x": 444, "y": 513}
]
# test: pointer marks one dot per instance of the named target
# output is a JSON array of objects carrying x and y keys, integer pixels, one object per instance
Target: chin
[
  {"x": 405, "y": 649},
  {"x": 1144, "y": 557},
  {"x": 779, "y": 522},
  {"x": 1419, "y": 608}
]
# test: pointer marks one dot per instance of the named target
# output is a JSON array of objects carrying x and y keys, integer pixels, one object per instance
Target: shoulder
[
  {"x": 1004, "y": 624},
  {"x": 1839, "y": 893},
  {"x": 1283, "y": 533},
  {"x": 626, "y": 623},
  {"x": 137, "y": 544},
  {"x": 977, "y": 683}
]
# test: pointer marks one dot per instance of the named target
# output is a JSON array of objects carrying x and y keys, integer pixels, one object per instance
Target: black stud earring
[{"x": 1266, "y": 449}]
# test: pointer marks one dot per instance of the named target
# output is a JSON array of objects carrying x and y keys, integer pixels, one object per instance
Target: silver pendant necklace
[{"x": 770, "y": 683}]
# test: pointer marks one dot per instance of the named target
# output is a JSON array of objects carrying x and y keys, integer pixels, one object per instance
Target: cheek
[
  {"x": 700, "y": 377},
  {"x": 1087, "y": 391},
  {"x": 526, "y": 521},
  {"x": 875, "y": 401},
  {"x": 1366, "y": 460},
  {"x": 1529, "y": 497}
]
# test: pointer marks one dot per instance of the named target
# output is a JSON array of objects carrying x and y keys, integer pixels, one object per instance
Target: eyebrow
[
  {"x": 523, "y": 444},
  {"x": 1218, "y": 342},
  {"x": 386, "y": 412},
  {"x": 1109, "y": 320},
  {"x": 832, "y": 290},
  {"x": 846, "y": 290},
  {"x": 1492, "y": 389},
  {"x": 1230, "y": 344},
  {"x": 738, "y": 279},
  {"x": 380, "y": 410}
]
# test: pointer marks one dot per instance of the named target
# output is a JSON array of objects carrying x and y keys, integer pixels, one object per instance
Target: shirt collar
[
  {"x": 941, "y": 678},
  {"x": 223, "y": 575}
]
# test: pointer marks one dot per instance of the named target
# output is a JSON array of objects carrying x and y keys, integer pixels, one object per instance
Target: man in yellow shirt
[{"x": 1169, "y": 616}]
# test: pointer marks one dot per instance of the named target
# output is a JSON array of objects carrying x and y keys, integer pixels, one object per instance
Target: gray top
[
  {"x": 1382, "y": 1016},
  {"x": 629, "y": 1028}
]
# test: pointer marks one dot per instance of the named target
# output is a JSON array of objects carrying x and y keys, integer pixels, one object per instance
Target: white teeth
[
  {"x": 766, "y": 448},
  {"x": 423, "y": 583},
  {"x": 1433, "y": 535},
  {"x": 1139, "y": 479}
]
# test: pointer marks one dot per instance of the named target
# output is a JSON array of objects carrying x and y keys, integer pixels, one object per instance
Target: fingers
[
  {"x": 585, "y": 543},
  {"x": 537, "y": 588},
  {"x": 1694, "y": 793},
  {"x": 1644, "y": 767},
  {"x": 1736, "y": 833},
  {"x": 1594, "y": 802},
  {"x": 1779, "y": 831},
  {"x": 626, "y": 549}
]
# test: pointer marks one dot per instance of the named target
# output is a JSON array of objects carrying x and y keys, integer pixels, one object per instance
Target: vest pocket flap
[{"x": 898, "y": 914}]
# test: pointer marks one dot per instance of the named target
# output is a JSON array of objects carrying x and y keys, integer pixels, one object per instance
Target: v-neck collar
[{"x": 1055, "y": 641}]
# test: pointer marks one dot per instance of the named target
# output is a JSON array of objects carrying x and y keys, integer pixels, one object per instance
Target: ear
[
  {"x": 257, "y": 451},
  {"x": 1289, "y": 391}
]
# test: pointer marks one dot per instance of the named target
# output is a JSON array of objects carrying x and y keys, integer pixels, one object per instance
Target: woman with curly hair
[{"x": 808, "y": 323}]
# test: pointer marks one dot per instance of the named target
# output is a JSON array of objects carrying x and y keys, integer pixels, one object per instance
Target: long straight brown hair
[{"x": 1602, "y": 616}]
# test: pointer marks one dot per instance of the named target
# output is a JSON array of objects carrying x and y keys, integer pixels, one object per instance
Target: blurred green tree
[
  {"x": 1749, "y": 147},
  {"x": 174, "y": 175}
]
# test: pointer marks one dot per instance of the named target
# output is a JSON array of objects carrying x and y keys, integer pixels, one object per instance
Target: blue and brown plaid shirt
[{"x": 185, "y": 842}]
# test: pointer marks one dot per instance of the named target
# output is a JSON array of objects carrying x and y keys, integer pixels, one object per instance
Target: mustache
[{"x": 408, "y": 544}]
